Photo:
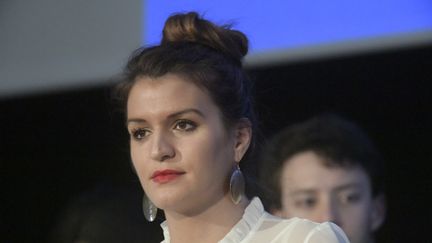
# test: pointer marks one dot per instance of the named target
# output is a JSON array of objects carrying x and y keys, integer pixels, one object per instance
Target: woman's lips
[{"x": 164, "y": 176}]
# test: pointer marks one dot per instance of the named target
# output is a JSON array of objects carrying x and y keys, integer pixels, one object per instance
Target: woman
[{"x": 190, "y": 119}]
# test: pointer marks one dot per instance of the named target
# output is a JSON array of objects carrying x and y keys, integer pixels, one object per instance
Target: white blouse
[{"x": 257, "y": 226}]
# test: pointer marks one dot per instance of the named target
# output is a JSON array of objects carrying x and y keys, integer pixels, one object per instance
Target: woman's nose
[{"x": 161, "y": 149}]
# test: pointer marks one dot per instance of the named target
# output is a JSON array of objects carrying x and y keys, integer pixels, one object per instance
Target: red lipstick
[{"x": 165, "y": 176}]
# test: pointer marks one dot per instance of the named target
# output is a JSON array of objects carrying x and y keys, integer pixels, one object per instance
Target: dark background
[{"x": 66, "y": 153}]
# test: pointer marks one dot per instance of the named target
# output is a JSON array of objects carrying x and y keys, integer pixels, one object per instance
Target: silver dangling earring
[
  {"x": 237, "y": 185},
  {"x": 149, "y": 209}
]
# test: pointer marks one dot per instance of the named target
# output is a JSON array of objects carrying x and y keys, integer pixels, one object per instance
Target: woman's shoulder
[{"x": 299, "y": 230}]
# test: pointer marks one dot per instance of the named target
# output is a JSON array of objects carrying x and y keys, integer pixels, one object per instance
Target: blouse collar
[{"x": 250, "y": 219}]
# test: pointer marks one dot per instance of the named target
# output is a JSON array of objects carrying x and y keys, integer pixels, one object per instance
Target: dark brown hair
[
  {"x": 201, "y": 52},
  {"x": 341, "y": 143}
]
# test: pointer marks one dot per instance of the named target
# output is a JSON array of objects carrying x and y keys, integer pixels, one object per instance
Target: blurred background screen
[
  {"x": 65, "y": 44},
  {"x": 291, "y": 30},
  {"x": 51, "y": 45}
]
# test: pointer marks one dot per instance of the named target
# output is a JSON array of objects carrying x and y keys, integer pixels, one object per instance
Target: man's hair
[{"x": 341, "y": 143}]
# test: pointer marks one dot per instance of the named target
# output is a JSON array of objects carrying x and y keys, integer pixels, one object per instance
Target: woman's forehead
[{"x": 168, "y": 94}]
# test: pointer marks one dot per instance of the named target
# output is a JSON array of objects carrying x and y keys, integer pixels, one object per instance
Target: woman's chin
[{"x": 167, "y": 201}]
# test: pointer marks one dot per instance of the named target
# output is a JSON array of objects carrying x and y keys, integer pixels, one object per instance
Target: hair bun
[{"x": 193, "y": 28}]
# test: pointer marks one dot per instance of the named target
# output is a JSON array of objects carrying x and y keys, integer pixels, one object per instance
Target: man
[{"x": 326, "y": 169}]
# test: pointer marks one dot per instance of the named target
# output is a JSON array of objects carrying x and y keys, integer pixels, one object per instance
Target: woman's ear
[{"x": 242, "y": 137}]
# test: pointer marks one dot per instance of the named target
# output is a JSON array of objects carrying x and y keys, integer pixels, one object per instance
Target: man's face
[{"x": 319, "y": 193}]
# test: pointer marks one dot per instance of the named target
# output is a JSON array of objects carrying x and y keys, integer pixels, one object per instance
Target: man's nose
[{"x": 329, "y": 212}]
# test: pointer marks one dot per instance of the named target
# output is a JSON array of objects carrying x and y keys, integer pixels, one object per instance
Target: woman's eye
[
  {"x": 139, "y": 134},
  {"x": 185, "y": 125}
]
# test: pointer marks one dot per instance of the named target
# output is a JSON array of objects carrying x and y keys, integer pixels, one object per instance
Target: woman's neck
[{"x": 210, "y": 225}]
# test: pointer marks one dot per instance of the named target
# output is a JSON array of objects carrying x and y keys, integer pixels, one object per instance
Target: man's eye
[
  {"x": 306, "y": 203},
  {"x": 185, "y": 125},
  {"x": 350, "y": 198},
  {"x": 139, "y": 133}
]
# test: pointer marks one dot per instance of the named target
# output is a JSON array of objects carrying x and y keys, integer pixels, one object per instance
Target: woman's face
[{"x": 181, "y": 150}]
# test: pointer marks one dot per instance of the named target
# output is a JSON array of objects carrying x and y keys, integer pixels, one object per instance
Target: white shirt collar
[{"x": 249, "y": 221}]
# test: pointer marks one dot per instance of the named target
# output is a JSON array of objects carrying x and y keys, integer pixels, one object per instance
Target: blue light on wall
[{"x": 272, "y": 25}]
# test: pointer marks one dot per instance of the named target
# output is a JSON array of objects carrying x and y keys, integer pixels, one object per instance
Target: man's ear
[
  {"x": 378, "y": 212},
  {"x": 242, "y": 137}
]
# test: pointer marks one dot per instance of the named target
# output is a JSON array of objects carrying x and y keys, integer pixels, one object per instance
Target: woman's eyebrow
[
  {"x": 135, "y": 120},
  {"x": 170, "y": 116},
  {"x": 190, "y": 110}
]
